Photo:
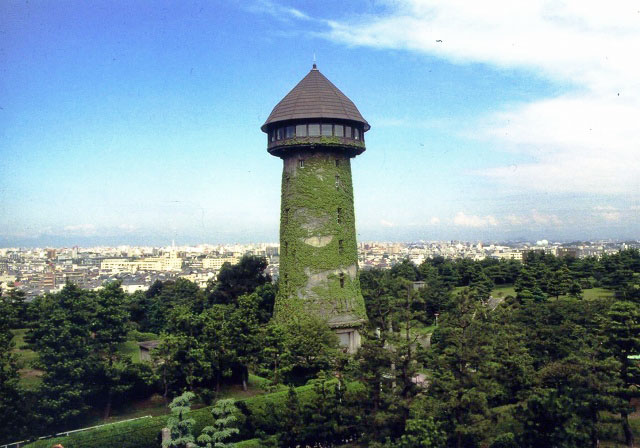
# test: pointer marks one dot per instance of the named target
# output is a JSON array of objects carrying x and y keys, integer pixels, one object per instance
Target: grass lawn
[
  {"x": 29, "y": 377},
  {"x": 509, "y": 290},
  {"x": 503, "y": 291},
  {"x": 423, "y": 330},
  {"x": 155, "y": 405},
  {"x": 595, "y": 293},
  {"x": 130, "y": 349}
]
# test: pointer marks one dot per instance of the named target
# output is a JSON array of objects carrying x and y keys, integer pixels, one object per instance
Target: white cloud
[
  {"x": 583, "y": 141},
  {"x": 607, "y": 213},
  {"x": 544, "y": 219},
  {"x": 279, "y": 12},
  {"x": 385, "y": 223},
  {"x": 516, "y": 220},
  {"x": 434, "y": 220},
  {"x": 464, "y": 220},
  {"x": 80, "y": 229},
  {"x": 611, "y": 216},
  {"x": 534, "y": 218}
]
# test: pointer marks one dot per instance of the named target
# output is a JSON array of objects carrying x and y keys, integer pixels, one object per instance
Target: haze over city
[{"x": 126, "y": 123}]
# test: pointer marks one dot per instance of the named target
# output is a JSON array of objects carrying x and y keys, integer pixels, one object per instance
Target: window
[
  {"x": 286, "y": 281},
  {"x": 337, "y": 162},
  {"x": 342, "y": 279},
  {"x": 338, "y": 130},
  {"x": 339, "y": 215},
  {"x": 301, "y": 130},
  {"x": 285, "y": 218},
  {"x": 337, "y": 181},
  {"x": 341, "y": 247},
  {"x": 347, "y": 132},
  {"x": 273, "y": 135},
  {"x": 279, "y": 134},
  {"x": 314, "y": 130},
  {"x": 327, "y": 129},
  {"x": 289, "y": 132},
  {"x": 301, "y": 163},
  {"x": 356, "y": 133},
  {"x": 286, "y": 182}
]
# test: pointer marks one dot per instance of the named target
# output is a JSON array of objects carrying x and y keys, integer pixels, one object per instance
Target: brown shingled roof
[{"x": 315, "y": 97}]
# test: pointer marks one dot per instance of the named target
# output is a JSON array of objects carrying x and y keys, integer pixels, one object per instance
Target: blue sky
[{"x": 138, "y": 122}]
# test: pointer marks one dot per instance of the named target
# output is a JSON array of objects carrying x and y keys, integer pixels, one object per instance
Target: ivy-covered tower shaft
[{"x": 316, "y": 130}]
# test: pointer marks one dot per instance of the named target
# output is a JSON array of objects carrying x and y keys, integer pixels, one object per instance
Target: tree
[
  {"x": 167, "y": 363},
  {"x": 17, "y": 307},
  {"x": 309, "y": 346},
  {"x": 63, "y": 339},
  {"x": 180, "y": 427},
  {"x": 560, "y": 282},
  {"x": 12, "y": 412},
  {"x": 422, "y": 433},
  {"x": 526, "y": 280},
  {"x": 180, "y": 292},
  {"x": 575, "y": 290},
  {"x": 383, "y": 411},
  {"x": 290, "y": 435},
  {"x": 565, "y": 407},
  {"x": 243, "y": 331},
  {"x": 109, "y": 327},
  {"x": 460, "y": 365},
  {"x": 236, "y": 280},
  {"x": 436, "y": 298},
  {"x": 273, "y": 349},
  {"x": 217, "y": 343},
  {"x": 185, "y": 347},
  {"x": 623, "y": 340},
  {"x": 223, "y": 428}
]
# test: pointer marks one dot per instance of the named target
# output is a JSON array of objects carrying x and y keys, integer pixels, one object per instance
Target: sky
[{"x": 139, "y": 122}]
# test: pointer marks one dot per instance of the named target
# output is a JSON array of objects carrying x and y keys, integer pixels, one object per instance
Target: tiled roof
[{"x": 315, "y": 97}]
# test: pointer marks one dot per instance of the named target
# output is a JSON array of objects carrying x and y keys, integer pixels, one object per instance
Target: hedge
[
  {"x": 262, "y": 412},
  {"x": 251, "y": 443}
]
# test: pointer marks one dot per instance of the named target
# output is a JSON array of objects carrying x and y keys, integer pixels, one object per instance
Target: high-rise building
[{"x": 316, "y": 130}]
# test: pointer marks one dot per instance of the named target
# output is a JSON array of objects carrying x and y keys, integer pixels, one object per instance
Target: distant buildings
[
  {"x": 117, "y": 265},
  {"x": 35, "y": 272}
]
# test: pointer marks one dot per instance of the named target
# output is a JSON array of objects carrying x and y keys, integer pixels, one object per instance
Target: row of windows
[{"x": 316, "y": 130}]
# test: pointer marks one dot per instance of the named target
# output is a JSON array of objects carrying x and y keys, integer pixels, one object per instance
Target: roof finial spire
[{"x": 314, "y": 61}]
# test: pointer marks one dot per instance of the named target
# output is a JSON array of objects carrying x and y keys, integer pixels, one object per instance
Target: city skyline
[{"x": 137, "y": 124}]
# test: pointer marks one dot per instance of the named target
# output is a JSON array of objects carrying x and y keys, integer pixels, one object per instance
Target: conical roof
[{"x": 315, "y": 97}]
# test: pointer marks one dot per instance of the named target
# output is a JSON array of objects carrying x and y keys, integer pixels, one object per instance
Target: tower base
[{"x": 349, "y": 339}]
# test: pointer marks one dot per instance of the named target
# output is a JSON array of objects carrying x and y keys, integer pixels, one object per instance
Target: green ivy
[
  {"x": 309, "y": 209},
  {"x": 322, "y": 140}
]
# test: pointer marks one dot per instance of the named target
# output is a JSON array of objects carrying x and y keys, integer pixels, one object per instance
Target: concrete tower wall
[{"x": 318, "y": 251}]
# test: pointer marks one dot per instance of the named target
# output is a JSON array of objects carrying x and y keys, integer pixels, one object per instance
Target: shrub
[{"x": 261, "y": 414}]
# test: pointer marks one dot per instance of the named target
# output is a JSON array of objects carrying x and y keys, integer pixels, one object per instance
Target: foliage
[
  {"x": 62, "y": 337},
  {"x": 180, "y": 427},
  {"x": 12, "y": 410},
  {"x": 223, "y": 428},
  {"x": 534, "y": 366},
  {"x": 318, "y": 248},
  {"x": 234, "y": 281}
]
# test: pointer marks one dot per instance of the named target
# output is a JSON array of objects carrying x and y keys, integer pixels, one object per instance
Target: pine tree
[
  {"x": 180, "y": 427},
  {"x": 110, "y": 330},
  {"x": 623, "y": 340},
  {"x": 63, "y": 339},
  {"x": 292, "y": 425},
  {"x": 11, "y": 394},
  {"x": 223, "y": 428}
]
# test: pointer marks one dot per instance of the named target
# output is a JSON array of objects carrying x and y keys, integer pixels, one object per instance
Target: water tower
[{"x": 316, "y": 131}]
